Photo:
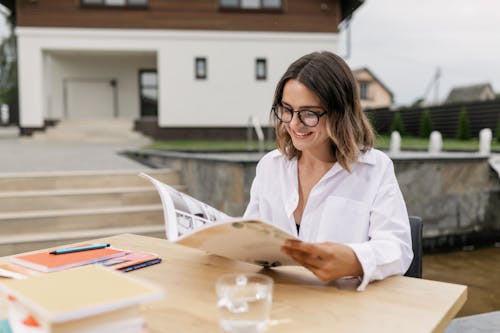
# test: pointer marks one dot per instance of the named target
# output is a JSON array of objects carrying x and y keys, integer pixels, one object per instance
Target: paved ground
[{"x": 25, "y": 155}]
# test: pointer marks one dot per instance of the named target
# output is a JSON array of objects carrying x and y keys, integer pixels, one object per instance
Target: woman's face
[{"x": 298, "y": 97}]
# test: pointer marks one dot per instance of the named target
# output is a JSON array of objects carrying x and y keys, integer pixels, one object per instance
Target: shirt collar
[{"x": 367, "y": 157}]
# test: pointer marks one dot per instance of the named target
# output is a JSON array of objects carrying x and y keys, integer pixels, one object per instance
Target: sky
[{"x": 403, "y": 42}]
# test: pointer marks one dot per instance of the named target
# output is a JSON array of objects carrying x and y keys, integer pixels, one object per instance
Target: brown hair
[{"x": 329, "y": 77}]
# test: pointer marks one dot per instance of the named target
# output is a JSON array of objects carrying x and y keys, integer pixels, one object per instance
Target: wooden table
[{"x": 300, "y": 302}]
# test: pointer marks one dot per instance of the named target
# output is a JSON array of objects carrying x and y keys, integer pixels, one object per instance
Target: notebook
[
  {"x": 46, "y": 262},
  {"x": 83, "y": 297},
  {"x": 132, "y": 261}
]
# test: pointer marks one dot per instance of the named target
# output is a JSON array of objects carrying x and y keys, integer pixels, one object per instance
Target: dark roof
[
  {"x": 468, "y": 93},
  {"x": 348, "y": 7},
  {"x": 10, "y": 4},
  {"x": 375, "y": 78}
]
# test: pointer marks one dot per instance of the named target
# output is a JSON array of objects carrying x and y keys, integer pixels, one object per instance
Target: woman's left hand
[{"x": 328, "y": 261}]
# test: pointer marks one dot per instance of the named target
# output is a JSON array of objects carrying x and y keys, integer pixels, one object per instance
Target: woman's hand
[{"x": 328, "y": 261}]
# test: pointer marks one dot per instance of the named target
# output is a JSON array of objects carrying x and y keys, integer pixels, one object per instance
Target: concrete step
[
  {"x": 17, "y": 223},
  {"x": 82, "y": 179},
  {"x": 12, "y": 244},
  {"x": 9, "y": 132},
  {"x": 40, "y": 210},
  {"x": 22, "y": 201},
  {"x": 110, "y": 130}
]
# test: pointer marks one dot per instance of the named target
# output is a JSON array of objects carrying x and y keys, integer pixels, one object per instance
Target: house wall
[
  {"x": 297, "y": 16},
  {"x": 378, "y": 97},
  {"x": 227, "y": 97},
  {"x": 487, "y": 94}
]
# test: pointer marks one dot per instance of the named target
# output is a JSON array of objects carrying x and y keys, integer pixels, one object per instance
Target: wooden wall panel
[{"x": 297, "y": 16}]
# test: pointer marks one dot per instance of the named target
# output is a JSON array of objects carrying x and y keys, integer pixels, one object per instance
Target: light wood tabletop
[{"x": 300, "y": 302}]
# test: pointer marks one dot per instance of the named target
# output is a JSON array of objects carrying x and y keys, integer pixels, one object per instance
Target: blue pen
[{"x": 79, "y": 249}]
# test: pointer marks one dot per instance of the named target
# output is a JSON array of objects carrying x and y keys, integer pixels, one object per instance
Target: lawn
[{"x": 382, "y": 142}]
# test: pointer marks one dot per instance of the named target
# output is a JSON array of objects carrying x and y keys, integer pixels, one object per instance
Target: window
[
  {"x": 260, "y": 69},
  {"x": 273, "y": 5},
  {"x": 114, "y": 3},
  {"x": 148, "y": 92},
  {"x": 200, "y": 68},
  {"x": 363, "y": 89}
]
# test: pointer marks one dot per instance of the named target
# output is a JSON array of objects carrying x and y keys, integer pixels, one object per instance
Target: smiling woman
[{"x": 326, "y": 183}]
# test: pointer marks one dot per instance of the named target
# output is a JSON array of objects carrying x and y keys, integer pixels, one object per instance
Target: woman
[{"x": 326, "y": 182}]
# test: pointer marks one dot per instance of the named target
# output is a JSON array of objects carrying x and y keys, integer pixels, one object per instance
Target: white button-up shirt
[{"x": 363, "y": 209}]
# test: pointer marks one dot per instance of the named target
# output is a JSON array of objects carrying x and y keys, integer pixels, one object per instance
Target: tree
[
  {"x": 498, "y": 130},
  {"x": 397, "y": 123},
  {"x": 8, "y": 71},
  {"x": 425, "y": 125},
  {"x": 372, "y": 118},
  {"x": 463, "y": 131}
]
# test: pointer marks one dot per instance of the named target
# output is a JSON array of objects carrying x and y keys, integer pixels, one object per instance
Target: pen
[{"x": 79, "y": 249}]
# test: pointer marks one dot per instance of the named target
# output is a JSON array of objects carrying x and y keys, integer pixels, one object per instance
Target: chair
[{"x": 415, "y": 269}]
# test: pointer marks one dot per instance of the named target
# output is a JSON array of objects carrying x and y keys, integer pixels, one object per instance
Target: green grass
[{"x": 382, "y": 142}]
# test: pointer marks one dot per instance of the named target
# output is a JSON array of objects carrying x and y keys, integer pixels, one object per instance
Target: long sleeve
[{"x": 388, "y": 250}]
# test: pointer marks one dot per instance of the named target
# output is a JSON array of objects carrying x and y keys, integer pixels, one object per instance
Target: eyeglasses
[{"x": 306, "y": 117}]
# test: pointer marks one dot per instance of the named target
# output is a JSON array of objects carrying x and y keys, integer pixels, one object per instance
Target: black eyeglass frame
[{"x": 318, "y": 115}]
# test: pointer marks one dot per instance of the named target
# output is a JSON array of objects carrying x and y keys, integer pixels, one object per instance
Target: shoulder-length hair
[{"x": 329, "y": 77}]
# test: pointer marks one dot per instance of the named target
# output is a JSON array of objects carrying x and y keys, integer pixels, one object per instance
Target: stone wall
[
  {"x": 452, "y": 195},
  {"x": 456, "y": 196}
]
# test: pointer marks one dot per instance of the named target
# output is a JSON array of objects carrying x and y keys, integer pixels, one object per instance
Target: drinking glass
[{"x": 244, "y": 301}]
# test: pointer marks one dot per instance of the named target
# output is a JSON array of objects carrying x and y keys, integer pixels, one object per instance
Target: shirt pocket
[{"x": 343, "y": 220}]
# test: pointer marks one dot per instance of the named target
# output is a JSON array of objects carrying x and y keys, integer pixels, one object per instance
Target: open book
[{"x": 193, "y": 223}]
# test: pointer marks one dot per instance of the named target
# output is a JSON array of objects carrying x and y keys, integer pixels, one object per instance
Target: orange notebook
[{"x": 46, "y": 262}]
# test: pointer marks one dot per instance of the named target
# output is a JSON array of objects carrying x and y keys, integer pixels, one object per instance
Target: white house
[{"x": 183, "y": 65}]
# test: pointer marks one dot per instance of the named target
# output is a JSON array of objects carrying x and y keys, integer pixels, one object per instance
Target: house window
[
  {"x": 200, "y": 68},
  {"x": 260, "y": 69},
  {"x": 363, "y": 89},
  {"x": 273, "y": 5},
  {"x": 114, "y": 3},
  {"x": 148, "y": 92}
]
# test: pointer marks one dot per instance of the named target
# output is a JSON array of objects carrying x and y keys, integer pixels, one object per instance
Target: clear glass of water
[{"x": 244, "y": 301}]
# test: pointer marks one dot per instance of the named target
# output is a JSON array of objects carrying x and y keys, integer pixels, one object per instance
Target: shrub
[
  {"x": 397, "y": 123},
  {"x": 372, "y": 118},
  {"x": 463, "y": 131},
  {"x": 425, "y": 125}
]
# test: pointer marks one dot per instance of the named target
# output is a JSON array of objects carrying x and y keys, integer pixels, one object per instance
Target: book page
[
  {"x": 183, "y": 213},
  {"x": 253, "y": 241},
  {"x": 201, "y": 226}
]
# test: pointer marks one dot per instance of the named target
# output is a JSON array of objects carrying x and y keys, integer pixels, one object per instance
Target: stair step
[
  {"x": 10, "y": 182},
  {"x": 48, "y": 209},
  {"x": 112, "y": 130},
  {"x": 13, "y": 244},
  {"x": 79, "y": 219},
  {"x": 79, "y": 198}
]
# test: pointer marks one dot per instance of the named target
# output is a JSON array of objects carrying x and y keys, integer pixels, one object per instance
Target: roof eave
[{"x": 348, "y": 7}]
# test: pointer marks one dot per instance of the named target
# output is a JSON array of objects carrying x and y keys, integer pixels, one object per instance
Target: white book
[{"x": 193, "y": 223}]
